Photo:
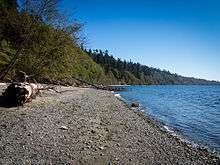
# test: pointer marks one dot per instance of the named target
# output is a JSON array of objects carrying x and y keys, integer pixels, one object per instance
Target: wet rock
[{"x": 135, "y": 104}]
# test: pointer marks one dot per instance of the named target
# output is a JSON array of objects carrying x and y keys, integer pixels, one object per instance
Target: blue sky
[{"x": 182, "y": 36}]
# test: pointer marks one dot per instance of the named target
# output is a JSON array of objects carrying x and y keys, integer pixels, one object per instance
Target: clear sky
[{"x": 182, "y": 36}]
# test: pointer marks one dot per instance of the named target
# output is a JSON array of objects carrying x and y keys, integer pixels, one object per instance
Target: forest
[
  {"x": 126, "y": 72},
  {"x": 36, "y": 39}
]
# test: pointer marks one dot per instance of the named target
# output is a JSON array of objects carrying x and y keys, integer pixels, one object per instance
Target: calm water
[{"x": 191, "y": 111}]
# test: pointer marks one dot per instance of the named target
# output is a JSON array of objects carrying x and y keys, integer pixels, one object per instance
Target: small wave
[
  {"x": 168, "y": 129},
  {"x": 175, "y": 134},
  {"x": 117, "y": 95},
  {"x": 120, "y": 98},
  {"x": 190, "y": 142}
]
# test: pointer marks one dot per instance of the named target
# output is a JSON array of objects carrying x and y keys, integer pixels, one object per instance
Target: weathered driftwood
[
  {"x": 80, "y": 83},
  {"x": 17, "y": 94},
  {"x": 102, "y": 87},
  {"x": 20, "y": 93}
]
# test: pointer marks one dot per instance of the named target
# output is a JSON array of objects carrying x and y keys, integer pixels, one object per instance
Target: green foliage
[
  {"x": 6, "y": 52},
  {"x": 46, "y": 51},
  {"x": 8, "y": 5}
]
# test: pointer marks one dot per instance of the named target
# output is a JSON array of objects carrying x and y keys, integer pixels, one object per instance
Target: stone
[
  {"x": 135, "y": 104},
  {"x": 63, "y": 128},
  {"x": 101, "y": 148}
]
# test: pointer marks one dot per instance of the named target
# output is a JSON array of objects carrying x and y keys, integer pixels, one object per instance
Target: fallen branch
[{"x": 102, "y": 87}]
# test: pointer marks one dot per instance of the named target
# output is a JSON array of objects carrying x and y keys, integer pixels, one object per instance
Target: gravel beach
[{"x": 88, "y": 126}]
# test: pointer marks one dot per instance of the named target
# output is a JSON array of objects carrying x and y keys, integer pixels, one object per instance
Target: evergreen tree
[{"x": 124, "y": 72}]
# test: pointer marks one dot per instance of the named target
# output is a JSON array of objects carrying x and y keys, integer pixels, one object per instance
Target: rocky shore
[{"x": 88, "y": 126}]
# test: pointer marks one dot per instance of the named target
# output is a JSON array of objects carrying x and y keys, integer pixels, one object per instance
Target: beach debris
[
  {"x": 64, "y": 128},
  {"x": 135, "y": 104},
  {"x": 117, "y": 144},
  {"x": 17, "y": 94},
  {"x": 20, "y": 93},
  {"x": 101, "y": 148},
  {"x": 81, "y": 83}
]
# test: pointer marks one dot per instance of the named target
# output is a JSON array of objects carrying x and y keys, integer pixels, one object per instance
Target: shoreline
[
  {"x": 88, "y": 126},
  {"x": 169, "y": 130}
]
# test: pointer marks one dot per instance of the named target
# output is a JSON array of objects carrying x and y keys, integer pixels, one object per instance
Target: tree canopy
[
  {"x": 32, "y": 41},
  {"x": 126, "y": 72}
]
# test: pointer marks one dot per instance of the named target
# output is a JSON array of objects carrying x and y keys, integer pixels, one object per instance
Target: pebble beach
[{"x": 80, "y": 126}]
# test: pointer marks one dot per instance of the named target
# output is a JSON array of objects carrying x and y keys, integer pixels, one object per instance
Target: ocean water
[{"x": 192, "y": 112}]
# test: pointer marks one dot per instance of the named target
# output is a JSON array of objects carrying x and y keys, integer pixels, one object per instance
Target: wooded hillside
[{"x": 35, "y": 40}]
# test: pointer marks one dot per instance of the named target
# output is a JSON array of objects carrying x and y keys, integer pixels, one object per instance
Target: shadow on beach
[{"x": 6, "y": 103}]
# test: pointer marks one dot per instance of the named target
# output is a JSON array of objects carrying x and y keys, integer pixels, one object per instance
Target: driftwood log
[{"x": 19, "y": 93}]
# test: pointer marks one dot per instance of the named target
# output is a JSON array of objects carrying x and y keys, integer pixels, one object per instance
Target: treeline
[{"x": 126, "y": 72}]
